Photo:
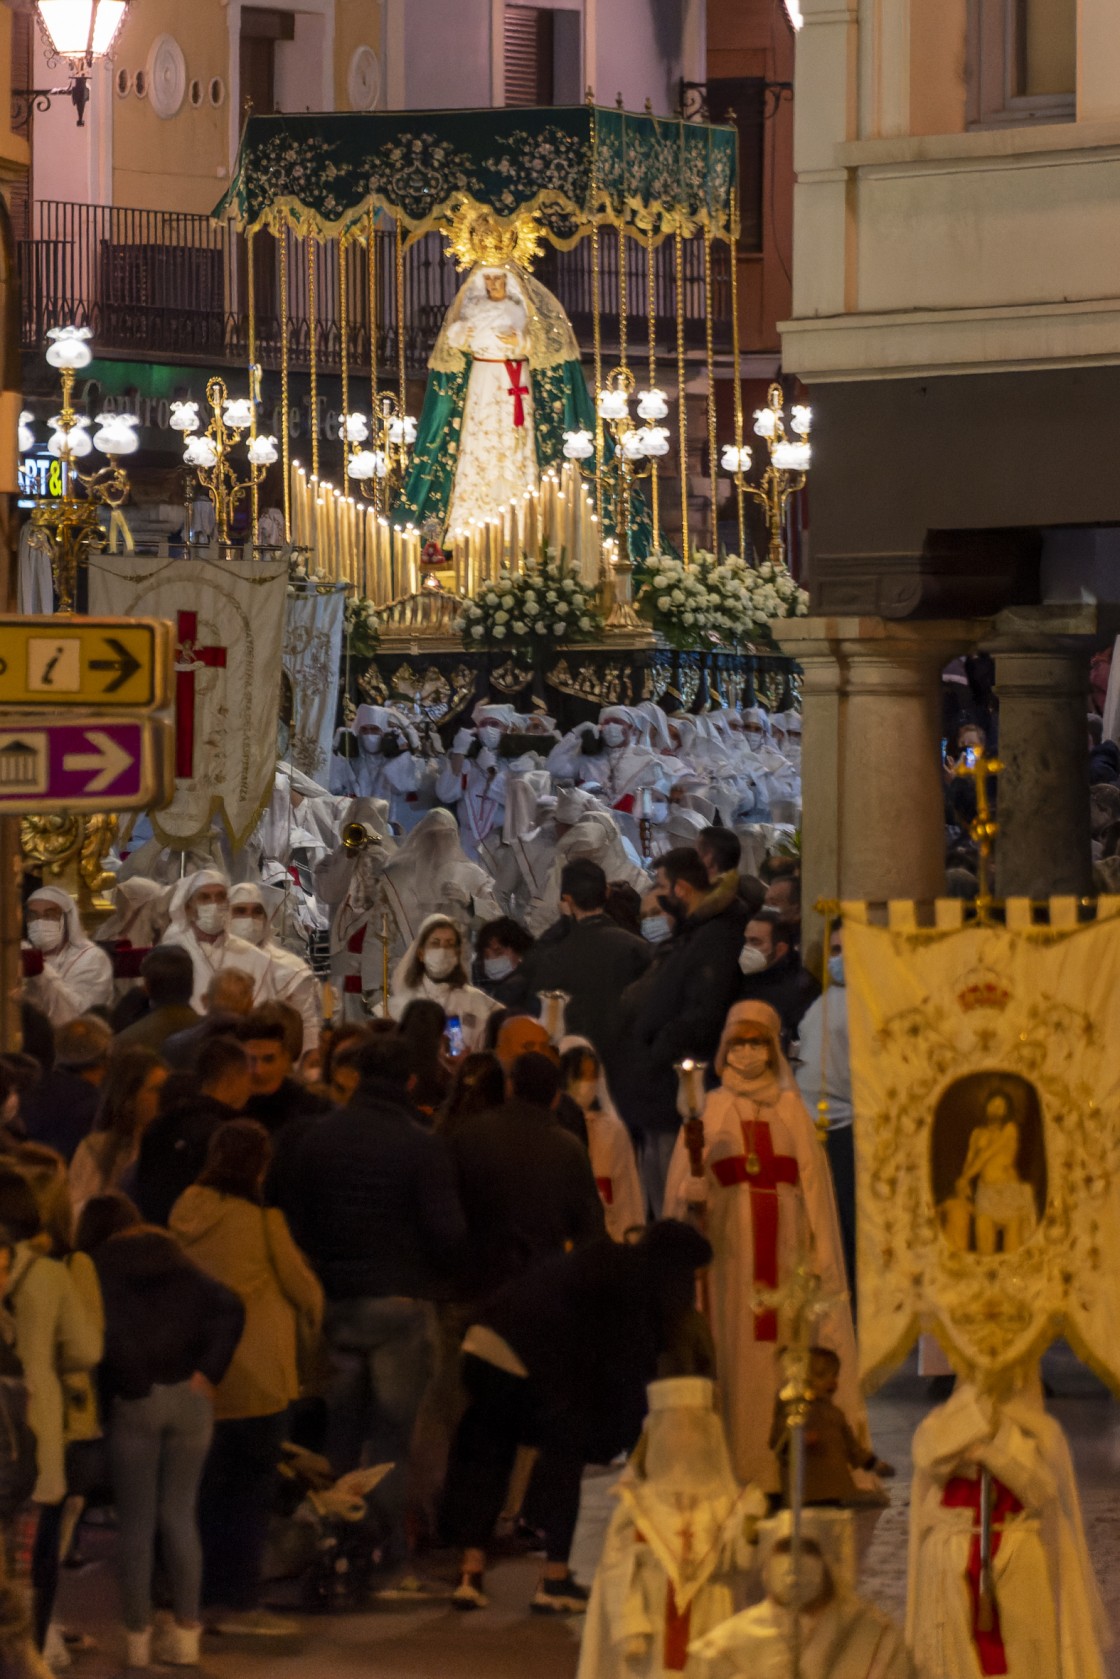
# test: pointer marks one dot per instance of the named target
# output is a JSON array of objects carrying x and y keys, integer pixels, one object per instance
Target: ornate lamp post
[
  {"x": 208, "y": 452},
  {"x": 787, "y": 466},
  {"x": 70, "y": 523},
  {"x": 379, "y": 458},
  {"x": 79, "y": 32}
]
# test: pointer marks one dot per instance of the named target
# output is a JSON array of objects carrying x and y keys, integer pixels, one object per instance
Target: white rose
[
  {"x": 663, "y": 603},
  {"x": 563, "y": 609},
  {"x": 478, "y": 632},
  {"x": 501, "y": 617},
  {"x": 519, "y": 628},
  {"x": 530, "y": 609},
  {"x": 507, "y": 601},
  {"x": 585, "y": 623},
  {"x": 499, "y": 631}
]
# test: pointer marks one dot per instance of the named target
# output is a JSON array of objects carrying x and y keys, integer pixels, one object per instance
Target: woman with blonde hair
[{"x": 129, "y": 1103}]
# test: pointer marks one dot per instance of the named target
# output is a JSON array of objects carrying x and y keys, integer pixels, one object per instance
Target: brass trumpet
[{"x": 357, "y": 835}]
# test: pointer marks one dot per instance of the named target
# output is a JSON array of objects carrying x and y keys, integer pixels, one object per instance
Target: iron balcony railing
[{"x": 159, "y": 284}]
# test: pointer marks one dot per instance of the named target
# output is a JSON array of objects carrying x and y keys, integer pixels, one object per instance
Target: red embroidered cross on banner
[
  {"x": 190, "y": 658},
  {"x": 517, "y": 390},
  {"x": 963, "y": 1493},
  {"x": 762, "y": 1171}
]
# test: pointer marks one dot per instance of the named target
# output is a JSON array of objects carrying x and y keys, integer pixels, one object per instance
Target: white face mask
[
  {"x": 248, "y": 927},
  {"x": 787, "y": 1584},
  {"x": 655, "y": 928},
  {"x": 585, "y": 1092},
  {"x": 748, "y": 1060},
  {"x": 489, "y": 734},
  {"x": 613, "y": 734},
  {"x": 43, "y": 934},
  {"x": 212, "y": 918},
  {"x": 752, "y": 960},
  {"x": 498, "y": 967},
  {"x": 439, "y": 963},
  {"x": 754, "y": 739},
  {"x": 659, "y": 811},
  {"x": 370, "y": 743}
]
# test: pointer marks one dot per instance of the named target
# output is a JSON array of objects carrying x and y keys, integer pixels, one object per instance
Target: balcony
[{"x": 156, "y": 285}]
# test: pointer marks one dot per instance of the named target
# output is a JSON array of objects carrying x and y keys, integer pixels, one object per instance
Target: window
[
  {"x": 1023, "y": 62},
  {"x": 744, "y": 98},
  {"x": 542, "y": 55}
]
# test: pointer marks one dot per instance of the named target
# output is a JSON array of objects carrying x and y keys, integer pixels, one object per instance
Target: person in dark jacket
[
  {"x": 500, "y": 949},
  {"x": 170, "y": 1334},
  {"x": 681, "y": 1012},
  {"x": 589, "y": 956},
  {"x": 560, "y": 1359},
  {"x": 526, "y": 1183},
  {"x": 772, "y": 971},
  {"x": 276, "y": 1099},
  {"x": 59, "y": 1111},
  {"x": 167, "y": 973},
  {"x": 374, "y": 1206},
  {"x": 173, "y": 1149}
]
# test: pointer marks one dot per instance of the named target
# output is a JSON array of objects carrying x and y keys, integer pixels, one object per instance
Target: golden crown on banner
[
  {"x": 476, "y": 235},
  {"x": 983, "y": 989}
]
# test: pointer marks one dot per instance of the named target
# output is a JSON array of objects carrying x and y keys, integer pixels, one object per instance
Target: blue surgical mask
[
  {"x": 836, "y": 969},
  {"x": 497, "y": 967},
  {"x": 655, "y": 928}
]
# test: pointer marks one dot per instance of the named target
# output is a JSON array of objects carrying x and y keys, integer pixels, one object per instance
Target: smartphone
[
  {"x": 453, "y": 1032},
  {"x": 970, "y": 756}
]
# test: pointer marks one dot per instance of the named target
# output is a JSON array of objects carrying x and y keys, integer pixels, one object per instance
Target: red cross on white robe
[
  {"x": 517, "y": 390},
  {"x": 189, "y": 659},
  {"x": 762, "y": 1171}
]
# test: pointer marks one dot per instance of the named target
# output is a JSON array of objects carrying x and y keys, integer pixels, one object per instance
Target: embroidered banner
[
  {"x": 229, "y": 622},
  {"x": 309, "y": 697},
  {"x": 986, "y": 1091}
]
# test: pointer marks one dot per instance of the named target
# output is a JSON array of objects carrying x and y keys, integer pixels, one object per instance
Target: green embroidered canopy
[{"x": 568, "y": 166}]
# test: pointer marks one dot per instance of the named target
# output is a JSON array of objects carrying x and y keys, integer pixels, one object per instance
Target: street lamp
[
  {"x": 71, "y": 522},
  {"x": 379, "y": 458},
  {"x": 80, "y": 32},
  {"x": 787, "y": 468},
  {"x": 208, "y": 452}
]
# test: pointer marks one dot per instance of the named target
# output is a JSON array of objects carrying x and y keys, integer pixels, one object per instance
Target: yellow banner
[{"x": 986, "y": 1091}]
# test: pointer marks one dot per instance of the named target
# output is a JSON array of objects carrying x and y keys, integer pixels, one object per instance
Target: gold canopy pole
[
  {"x": 343, "y": 340},
  {"x": 622, "y": 299},
  {"x": 254, "y": 379},
  {"x": 682, "y": 417},
  {"x": 371, "y": 275},
  {"x": 402, "y": 410},
  {"x": 286, "y": 440},
  {"x": 740, "y": 498},
  {"x": 709, "y": 352},
  {"x": 596, "y": 324},
  {"x": 312, "y": 345},
  {"x": 651, "y": 312}
]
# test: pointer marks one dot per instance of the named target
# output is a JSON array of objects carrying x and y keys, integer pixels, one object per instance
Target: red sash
[
  {"x": 678, "y": 1626},
  {"x": 961, "y": 1493},
  {"x": 517, "y": 391},
  {"x": 353, "y": 982},
  {"x": 763, "y": 1170},
  {"x": 606, "y": 1191}
]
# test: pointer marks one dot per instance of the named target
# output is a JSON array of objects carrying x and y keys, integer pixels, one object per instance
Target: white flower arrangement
[
  {"x": 717, "y": 603},
  {"x": 528, "y": 613},
  {"x": 363, "y": 631}
]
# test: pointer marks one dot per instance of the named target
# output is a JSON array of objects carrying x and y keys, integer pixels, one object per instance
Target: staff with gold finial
[{"x": 981, "y": 769}]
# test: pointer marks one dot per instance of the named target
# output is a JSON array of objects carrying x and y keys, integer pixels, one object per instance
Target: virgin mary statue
[{"x": 505, "y": 385}]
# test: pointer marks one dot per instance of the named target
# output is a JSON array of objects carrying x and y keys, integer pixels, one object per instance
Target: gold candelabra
[
  {"x": 208, "y": 453},
  {"x": 70, "y": 522},
  {"x": 788, "y": 461},
  {"x": 380, "y": 450}
]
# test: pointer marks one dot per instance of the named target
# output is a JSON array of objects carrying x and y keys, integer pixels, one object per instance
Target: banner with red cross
[{"x": 228, "y": 618}]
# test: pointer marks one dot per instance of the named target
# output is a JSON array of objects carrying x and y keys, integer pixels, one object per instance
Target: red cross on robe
[
  {"x": 517, "y": 390},
  {"x": 189, "y": 659},
  {"x": 762, "y": 1170},
  {"x": 963, "y": 1493}
]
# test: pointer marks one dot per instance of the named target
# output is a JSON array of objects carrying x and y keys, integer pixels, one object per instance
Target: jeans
[
  {"x": 657, "y": 1151},
  {"x": 381, "y": 1360},
  {"x": 234, "y": 1505},
  {"x": 504, "y": 1413},
  {"x": 157, "y": 1447}
]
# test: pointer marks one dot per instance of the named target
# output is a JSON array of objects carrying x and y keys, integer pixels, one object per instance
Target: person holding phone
[{"x": 433, "y": 967}]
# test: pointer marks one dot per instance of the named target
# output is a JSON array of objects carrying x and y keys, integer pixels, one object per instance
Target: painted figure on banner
[
  {"x": 766, "y": 1192},
  {"x": 1036, "y": 1609},
  {"x": 841, "y": 1636},
  {"x": 505, "y": 384},
  {"x": 681, "y": 1531},
  {"x": 995, "y": 1194}
]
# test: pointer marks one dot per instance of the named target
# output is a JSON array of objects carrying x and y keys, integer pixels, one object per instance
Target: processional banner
[
  {"x": 986, "y": 1092},
  {"x": 309, "y": 700},
  {"x": 229, "y": 622}
]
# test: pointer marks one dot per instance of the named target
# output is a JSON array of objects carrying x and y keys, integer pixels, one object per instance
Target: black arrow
[{"x": 124, "y": 664}]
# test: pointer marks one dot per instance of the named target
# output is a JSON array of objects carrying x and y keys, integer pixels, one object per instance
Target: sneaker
[
  {"x": 411, "y": 1588},
  {"x": 255, "y": 1623},
  {"x": 559, "y": 1597},
  {"x": 468, "y": 1594},
  {"x": 138, "y": 1648},
  {"x": 176, "y": 1646}
]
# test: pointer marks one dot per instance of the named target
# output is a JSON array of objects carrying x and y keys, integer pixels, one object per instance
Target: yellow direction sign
[{"x": 103, "y": 663}]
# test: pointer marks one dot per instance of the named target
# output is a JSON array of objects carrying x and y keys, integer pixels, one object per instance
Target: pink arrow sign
[{"x": 93, "y": 763}]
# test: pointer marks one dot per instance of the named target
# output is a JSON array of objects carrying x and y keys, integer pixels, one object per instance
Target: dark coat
[
  {"x": 593, "y": 960},
  {"x": 679, "y": 1013},
  {"x": 527, "y": 1190},
  {"x": 164, "y": 1318},
  {"x": 372, "y": 1200},
  {"x": 787, "y": 987},
  {"x": 59, "y": 1111},
  {"x": 153, "y": 1029},
  {"x": 173, "y": 1153}
]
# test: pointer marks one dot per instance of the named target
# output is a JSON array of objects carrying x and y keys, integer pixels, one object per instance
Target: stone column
[
  {"x": 1042, "y": 680},
  {"x": 873, "y": 823}
]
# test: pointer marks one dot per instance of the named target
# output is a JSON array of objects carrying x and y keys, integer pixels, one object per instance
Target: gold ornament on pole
[
  {"x": 983, "y": 828},
  {"x": 70, "y": 523},
  {"x": 787, "y": 467},
  {"x": 208, "y": 452}
]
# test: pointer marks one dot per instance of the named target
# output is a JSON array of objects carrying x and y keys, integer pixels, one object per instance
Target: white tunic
[
  {"x": 227, "y": 951},
  {"x": 847, "y": 1639},
  {"x": 74, "y": 979},
  {"x": 616, "y": 1173}
]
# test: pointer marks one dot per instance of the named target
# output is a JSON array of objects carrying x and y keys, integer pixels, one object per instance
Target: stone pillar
[
  {"x": 873, "y": 823},
  {"x": 1042, "y": 680}
]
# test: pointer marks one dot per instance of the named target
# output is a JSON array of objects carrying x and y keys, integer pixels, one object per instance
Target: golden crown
[{"x": 476, "y": 235}]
